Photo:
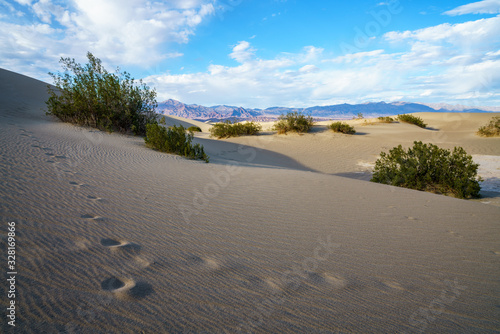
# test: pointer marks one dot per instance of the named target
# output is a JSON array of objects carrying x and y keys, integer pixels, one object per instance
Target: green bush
[
  {"x": 90, "y": 95},
  {"x": 492, "y": 129},
  {"x": 430, "y": 168},
  {"x": 293, "y": 122},
  {"x": 227, "y": 129},
  {"x": 342, "y": 127},
  {"x": 173, "y": 140},
  {"x": 386, "y": 119},
  {"x": 194, "y": 129},
  {"x": 412, "y": 120}
]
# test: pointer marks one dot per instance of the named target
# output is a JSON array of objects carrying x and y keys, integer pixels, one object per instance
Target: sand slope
[{"x": 117, "y": 238}]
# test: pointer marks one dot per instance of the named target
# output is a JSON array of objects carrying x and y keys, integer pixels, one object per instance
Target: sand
[{"x": 270, "y": 237}]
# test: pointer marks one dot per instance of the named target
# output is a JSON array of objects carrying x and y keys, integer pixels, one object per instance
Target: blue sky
[{"x": 263, "y": 53}]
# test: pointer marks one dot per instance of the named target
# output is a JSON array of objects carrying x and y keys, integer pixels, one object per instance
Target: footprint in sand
[
  {"x": 91, "y": 217},
  {"x": 334, "y": 281},
  {"x": 121, "y": 246},
  {"x": 94, "y": 198},
  {"x": 76, "y": 184},
  {"x": 393, "y": 285},
  {"x": 126, "y": 288},
  {"x": 207, "y": 263},
  {"x": 455, "y": 234}
]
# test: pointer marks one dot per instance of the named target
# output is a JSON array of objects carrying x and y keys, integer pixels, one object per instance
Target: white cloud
[
  {"x": 356, "y": 57},
  {"x": 471, "y": 33},
  {"x": 136, "y": 32},
  {"x": 24, "y": 2},
  {"x": 242, "y": 52},
  {"x": 480, "y": 7}
]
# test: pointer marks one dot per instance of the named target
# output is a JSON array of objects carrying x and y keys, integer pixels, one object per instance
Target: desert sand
[{"x": 274, "y": 235}]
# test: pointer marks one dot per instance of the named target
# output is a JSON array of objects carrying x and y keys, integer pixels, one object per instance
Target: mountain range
[{"x": 339, "y": 111}]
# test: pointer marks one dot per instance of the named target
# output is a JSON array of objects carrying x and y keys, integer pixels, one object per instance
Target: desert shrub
[
  {"x": 162, "y": 121},
  {"x": 227, "y": 129},
  {"x": 90, "y": 95},
  {"x": 174, "y": 140},
  {"x": 194, "y": 129},
  {"x": 293, "y": 122},
  {"x": 412, "y": 120},
  {"x": 492, "y": 129},
  {"x": 430, "y": 168},
  {"x": 386, "y": 119},
  {"x": 342, "y": 127}
]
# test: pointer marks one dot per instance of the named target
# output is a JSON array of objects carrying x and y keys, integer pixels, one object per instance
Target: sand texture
[{"x": 269, "y": 237}]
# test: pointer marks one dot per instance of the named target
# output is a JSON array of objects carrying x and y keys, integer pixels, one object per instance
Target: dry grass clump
[{"x": 492, "y": 129}]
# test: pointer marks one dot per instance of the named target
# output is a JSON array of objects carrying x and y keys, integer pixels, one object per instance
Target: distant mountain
[
  {"x": 460, "y": 108},
  {"x": 194, "y": 111},
  {"x": 339, "y": 111}
]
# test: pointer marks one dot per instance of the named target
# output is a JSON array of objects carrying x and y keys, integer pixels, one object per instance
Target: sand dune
[{"x": 268, "y": 238}]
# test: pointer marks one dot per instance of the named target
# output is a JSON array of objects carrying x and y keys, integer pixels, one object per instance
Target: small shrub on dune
[
  {"x": 293, "y": 122},
  {"x": 429, "y": 168},
  {"x": 174, "y": 140},
  {"x": 492, "y": 129},
  {"x": 89, "y": 95},
  {"x": 385, "y": 119},
  {"x": 194, "y": 129},
  {"x": 227, "y": 129},
  {"x": 412, "y": 120},
  {"x": 342, "y": 128}
]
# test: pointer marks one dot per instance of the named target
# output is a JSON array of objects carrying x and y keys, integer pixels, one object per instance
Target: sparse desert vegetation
[
  {"x": 342, "y": 128},
  {"x": 429, "y": 168},
  {"x": 174, "y": 140},
  {"x": 194, "y": 129},
  {"x": 227, "y": 129},
  {"x": 293, "y": 122},
  {"x": 89, "y": 95},
  {"x": 385, "y": 119},
  {"x": 492, "y": 129},
  {"x": 412, "y": 120}
]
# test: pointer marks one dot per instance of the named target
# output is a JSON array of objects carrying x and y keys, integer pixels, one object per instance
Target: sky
[{"x": 266, "y": 53}]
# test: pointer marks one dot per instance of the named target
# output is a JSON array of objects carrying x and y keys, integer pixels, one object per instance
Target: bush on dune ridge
[
  {"x": 194, "y": 129},
  {"x": 386, "y": 119},
  {"x": 227, "y": 129},
  {"x": 342, "y": 128},
  {"x": 492, "y": 129},
  {"x": 429, "y": 168},
  {"x": 293, "y": 122},
  {"x": 89, "y": 95},
  {"x": 174, "y": 140},
  {"x": 412, "y": 120}
]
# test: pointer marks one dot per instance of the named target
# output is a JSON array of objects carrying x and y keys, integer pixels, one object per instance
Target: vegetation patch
[
  {"x": 194, "y": 129},
  {"x": 385, "y": 119},
  {"x": 492, "y": 129},
  {"x": 89, "y": 95},
  {"x": 342, "y": 128},
  {"x": 227, "y": 129},
  {"x": 174, "y": 140},
  {"x": 429, "y": 168},
  {"x": 293, "y": 122},
  {"x": 412, "y": 120}
]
